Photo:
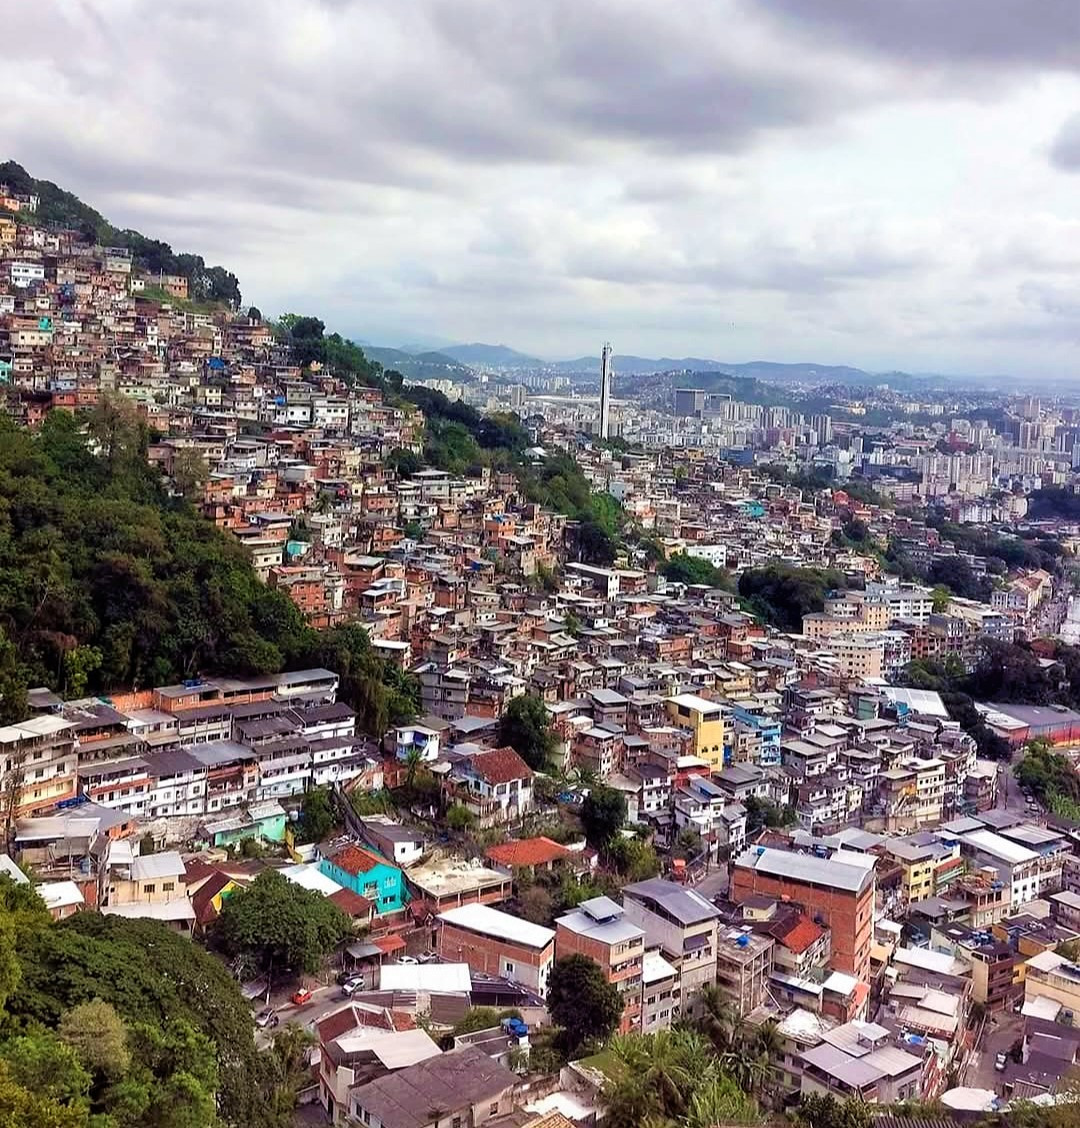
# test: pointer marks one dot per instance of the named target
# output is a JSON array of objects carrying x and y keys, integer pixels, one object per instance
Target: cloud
[{"x": 733, "y": 177}]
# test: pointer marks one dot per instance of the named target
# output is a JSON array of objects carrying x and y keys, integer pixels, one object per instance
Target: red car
[{"x": 301, "y": 997}]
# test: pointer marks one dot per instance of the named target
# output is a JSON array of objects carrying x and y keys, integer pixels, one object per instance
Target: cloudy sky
[{"x": 886, "y": 184}]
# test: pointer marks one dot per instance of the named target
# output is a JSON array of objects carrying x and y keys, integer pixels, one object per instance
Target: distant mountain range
[
  {"x": 457, "y": 362},
  {"x": 493, "y": 356},
  {"x": 419, "y": 365}
]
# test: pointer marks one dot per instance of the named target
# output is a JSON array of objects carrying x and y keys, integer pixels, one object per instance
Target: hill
[
  {"x": 421, "y": 365},
  {"x": 494, "y": 356},
  {"x": 59, "y": 208}
]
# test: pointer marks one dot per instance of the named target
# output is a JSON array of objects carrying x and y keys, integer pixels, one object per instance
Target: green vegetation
[
  {"x": 763, "y": 812},
  {"x": 685, "y": 569},
  {"x": 526, "y": 727},
  {"x": 317, "y": 817},
  {"x": 671, "y": 1077},
  {"x": 58, "y": 208},
  {"x": 306, "y": 337},
  {"x": 278, "y": 927},
  {"x": 1051, "y": 777},
  {"x": 582, "y": 1001},
  {"x": 114, "y": 1023},
  {"x": 603, "y": 814},
  {"x": 826, "y": 1111},
  {"x": 782, "y": 595},
  {"x": 112, "y": 583}
]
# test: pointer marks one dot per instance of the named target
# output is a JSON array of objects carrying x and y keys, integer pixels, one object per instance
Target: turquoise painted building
[
  {"x": 262, "y": 820},
  {"x": 367, "y": 875}
]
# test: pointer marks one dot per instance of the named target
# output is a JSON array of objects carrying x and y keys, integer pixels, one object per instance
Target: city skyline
[{"x": 883, "y": 188}]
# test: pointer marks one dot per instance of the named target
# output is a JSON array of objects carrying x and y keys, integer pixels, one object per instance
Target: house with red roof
[
  {"x": 495, "y": 784},
  {"x": 527, "y": 853},
  {"x": 367, "y": 875}
]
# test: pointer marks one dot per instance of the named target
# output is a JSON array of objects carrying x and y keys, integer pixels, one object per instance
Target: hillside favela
[{"x": 634, "y": 724}]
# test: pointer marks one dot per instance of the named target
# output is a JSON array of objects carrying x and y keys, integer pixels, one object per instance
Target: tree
[
  {"x": 285, "y": 1073},
  {"x": 688, "y": 843},
  {"x": 459, "y": 817},
  {"x": 97, "y": 1035},
  {"x": 941, "y": 596},
  {"x": 317, "y": 816},
  {"x": 526, "y": 727},
  {"x": 685, "y": 569},
  {"x": 119, "y": 431},
  {"x": 40, "y": 1062},
  {"x": 280, "y": 925},
  {"x": 254, "y": 313},
  {"x": 189, "y": 472},
  {"x": 603, "y": 814},
  {"x": 826, "y": 1111},
  {"x": 635, "y": 860},
  {"x": 582, "y": 1001},
  {"x": 782, "y": 594},
  {"x": 21, "y": 1107}
]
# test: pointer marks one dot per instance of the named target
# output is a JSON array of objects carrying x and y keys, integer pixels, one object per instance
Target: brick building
[
  {"x": 599, "y": 928},
  {"x": 837, "y": 892},
  {"x": 495, "y": 943}
]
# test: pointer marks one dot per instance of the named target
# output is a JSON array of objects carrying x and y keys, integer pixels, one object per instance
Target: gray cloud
[
  {"x": 800, "y": 169},
  {"x": 954, "y": 33}
]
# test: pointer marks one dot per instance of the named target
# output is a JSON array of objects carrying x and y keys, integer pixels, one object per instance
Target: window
[
  {"x": 494, "y": 1109},
  {"x": 168, "y": 886},
  {"x": 150, "y": 887}
]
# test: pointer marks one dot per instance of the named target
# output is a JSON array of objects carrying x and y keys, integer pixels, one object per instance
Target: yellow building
[{"x": 709, "y": 723}]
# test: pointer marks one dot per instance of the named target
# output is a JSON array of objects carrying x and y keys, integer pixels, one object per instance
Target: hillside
[
  {"x": 59, "y": 208},
  {"x": 420, "y": 366},
  {"x": 493, "y": 356}
]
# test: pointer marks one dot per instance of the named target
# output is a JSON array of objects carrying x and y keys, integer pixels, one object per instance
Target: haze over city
[{"x": 890, "y": 186}]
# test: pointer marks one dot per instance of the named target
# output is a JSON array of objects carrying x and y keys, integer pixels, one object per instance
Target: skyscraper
[{"x": 605, "y": 389}]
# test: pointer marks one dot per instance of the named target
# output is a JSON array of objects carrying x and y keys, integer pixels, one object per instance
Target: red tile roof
[
  {"x": 352, "y": 904},
  {"x": 500, "y": 765},
  {"x": 805, "y": 933},
  {"x": 355, "y": 860},
  {"x": 527, "y": 852}
]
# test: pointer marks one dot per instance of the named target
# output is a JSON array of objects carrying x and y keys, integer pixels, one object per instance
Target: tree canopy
[
  {"x": 124, "y": 1018},
  {"x": 782, "y": 595},
  {"x": 279, "y": 925},
  {"x": 603, "y": 813},
  {"x": 582, "y": 1001},
  {"x": 526, "y": 727},
  {"x": 686, "y": 569}
]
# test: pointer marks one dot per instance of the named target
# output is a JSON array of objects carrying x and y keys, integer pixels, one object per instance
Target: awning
[
  {"x": 363, "y": 951},
  {"x": 389, "y": 944}
]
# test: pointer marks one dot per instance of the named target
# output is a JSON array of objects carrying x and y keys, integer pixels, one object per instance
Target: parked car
[
  {"x": 407, "y": 960},
  {"x": 999, "y": 1062},
  {"x": 267, "y": 1019},
  {"x": 427, "y": 957},
  {"x": 302, "y": 996},
  {"x": 352, "y": 984}
]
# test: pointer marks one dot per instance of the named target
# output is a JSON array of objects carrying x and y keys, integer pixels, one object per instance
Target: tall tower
[{"x": 605, "y": 389}]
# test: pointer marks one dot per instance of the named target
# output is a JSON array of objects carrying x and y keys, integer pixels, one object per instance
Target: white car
[
  {"x": 407, "y": 960},
  {"x": 352, "y": 985}
]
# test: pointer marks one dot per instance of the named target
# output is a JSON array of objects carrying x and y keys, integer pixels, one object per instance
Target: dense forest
[
  {"x": 106, "y": 581},
  {"x": 114, "y": 1023},
  {"x": 59, "y": 208}
]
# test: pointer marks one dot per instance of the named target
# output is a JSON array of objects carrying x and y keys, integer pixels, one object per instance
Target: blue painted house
[{"x": 367, "y": 875}]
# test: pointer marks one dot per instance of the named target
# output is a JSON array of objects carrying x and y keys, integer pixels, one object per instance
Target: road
[
  {"x": 323, "y": 1000},
  {"x": 1002, "y": 1030}
]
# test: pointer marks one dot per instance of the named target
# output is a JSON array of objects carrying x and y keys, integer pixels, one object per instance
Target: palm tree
[
  {"x": 413, "y": 759},
  {"x": 719, "y": 1020},
  {"x": 655, "y": 1078}
]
